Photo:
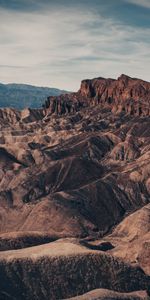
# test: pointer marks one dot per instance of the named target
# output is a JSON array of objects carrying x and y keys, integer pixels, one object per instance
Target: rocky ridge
[
  {"x": 77, "y": 171},
  {"x": 126, "y": 94}
]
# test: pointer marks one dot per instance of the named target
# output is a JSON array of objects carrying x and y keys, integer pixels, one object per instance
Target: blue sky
[{"x": 59, "y": 43}]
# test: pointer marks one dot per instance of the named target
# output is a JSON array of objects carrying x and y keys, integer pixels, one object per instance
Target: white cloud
[
  {"x": 144, "y": 3},
  {"x": 60, "y": 48}
]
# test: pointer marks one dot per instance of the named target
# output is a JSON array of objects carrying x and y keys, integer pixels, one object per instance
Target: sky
[{"x": 57, "y": 43}]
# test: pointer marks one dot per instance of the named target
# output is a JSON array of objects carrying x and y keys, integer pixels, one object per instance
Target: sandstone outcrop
[{"x": 126, "y": 94}]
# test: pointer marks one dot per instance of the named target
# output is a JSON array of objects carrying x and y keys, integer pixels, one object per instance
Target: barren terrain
[{"x": 75, "y": 195}]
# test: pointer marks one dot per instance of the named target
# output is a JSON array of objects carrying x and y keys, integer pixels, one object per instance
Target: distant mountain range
[{"x": 20, "y": 96}]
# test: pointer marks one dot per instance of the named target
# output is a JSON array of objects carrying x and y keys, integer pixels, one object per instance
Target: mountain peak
[{"x": 124, "y": 77}]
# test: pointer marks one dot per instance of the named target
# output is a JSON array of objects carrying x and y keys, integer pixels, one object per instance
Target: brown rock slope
[
  {"x": 84, "y": 176},
  {"x": 131, "y": 238},
  {"x": 79, "y": 168},
  {"x": 20, "y": 239},
  {"x": 63, "y": 269},
  {"x": 103, "y": 294}
]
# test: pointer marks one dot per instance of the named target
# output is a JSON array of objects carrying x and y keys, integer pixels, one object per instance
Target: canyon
[{"x": 75, "y": 194}]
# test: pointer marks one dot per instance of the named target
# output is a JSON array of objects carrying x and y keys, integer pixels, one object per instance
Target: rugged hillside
[
  {"x": 126, "y": 94},
  {"x": 132, "y": 238},
  {"x": 20, "y": 96},
  {"x": 64, "y": 269},
  {"x": 77, "y": 168}
]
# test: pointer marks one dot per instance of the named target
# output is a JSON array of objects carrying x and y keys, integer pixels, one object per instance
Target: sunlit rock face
[
  {"x": 126, "y": 94},
  {"x": 75, "y": 194}
]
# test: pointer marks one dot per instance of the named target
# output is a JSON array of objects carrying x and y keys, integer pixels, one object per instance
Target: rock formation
[
  {"x": 77, "y": 171},
  {"x": 125, "y": 94}
]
